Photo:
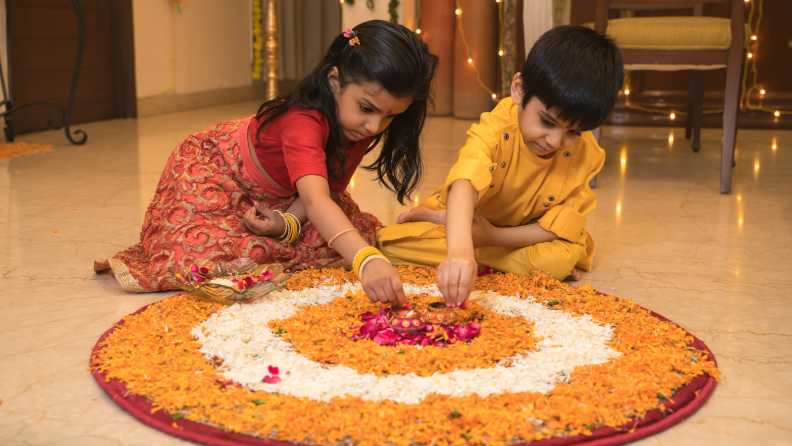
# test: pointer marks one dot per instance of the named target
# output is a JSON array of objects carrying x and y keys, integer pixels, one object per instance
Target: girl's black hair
[
  {"x": 577, "y": 70},
  {"x": 396, "y": 59}
]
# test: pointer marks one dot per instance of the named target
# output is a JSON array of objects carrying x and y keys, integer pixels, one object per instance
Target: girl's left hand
[
  {"x": 270, "y": 224},
  {"x": 381, "y": 283}
]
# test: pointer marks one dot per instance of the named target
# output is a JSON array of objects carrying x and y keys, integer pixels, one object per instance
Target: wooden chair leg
[
  {"x": 734, "y": 62},
  {"x": 696, "y": 105},
  {"x": 730, "y": 112},
  {"x": 690, "y": 106},
  {"x": 596, "y": 133}
]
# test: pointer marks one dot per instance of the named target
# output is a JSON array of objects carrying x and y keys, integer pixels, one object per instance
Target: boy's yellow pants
[{"x": 424, "y": 244}]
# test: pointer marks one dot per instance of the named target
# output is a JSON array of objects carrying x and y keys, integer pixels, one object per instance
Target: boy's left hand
[{"x": 482, "y": 231}]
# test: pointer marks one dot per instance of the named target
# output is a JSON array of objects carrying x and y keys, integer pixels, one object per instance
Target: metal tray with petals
[{"x": 241, "y": 280}]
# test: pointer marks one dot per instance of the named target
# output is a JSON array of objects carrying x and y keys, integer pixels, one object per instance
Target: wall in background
[
  {"x": 359, "y": 12},
  {"x": 205, "y": 47},
  {"x": 196, "y": 58}
]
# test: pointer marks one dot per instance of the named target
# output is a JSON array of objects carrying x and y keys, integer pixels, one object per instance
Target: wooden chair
[{"x": 685, "y": 43}]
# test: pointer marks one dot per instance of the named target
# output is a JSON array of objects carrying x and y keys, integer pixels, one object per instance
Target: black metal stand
[{"x": 8, "y": 114}]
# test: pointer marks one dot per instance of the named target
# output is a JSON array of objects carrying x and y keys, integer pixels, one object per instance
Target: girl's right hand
[
  {"x": 382, "y": 283},
  {"x": 456, "y": 276}
]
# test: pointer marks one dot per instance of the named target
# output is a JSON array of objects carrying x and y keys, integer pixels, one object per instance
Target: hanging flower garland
[
  {"x": 258, "y": 41},
  {"x": 393, "y": 11}
]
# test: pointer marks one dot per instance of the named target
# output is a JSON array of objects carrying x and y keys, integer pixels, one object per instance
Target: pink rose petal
[
  {"x": 386, "y": 337},
  {"x": 376, "y": 327},
  {"x": 273, "y": 370},
  {"x": 271, "y": 379}
]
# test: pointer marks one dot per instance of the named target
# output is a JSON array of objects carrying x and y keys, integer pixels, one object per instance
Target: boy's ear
[
  {"x": 517, "y": 89},
  {"x": 332, "y": 78}
]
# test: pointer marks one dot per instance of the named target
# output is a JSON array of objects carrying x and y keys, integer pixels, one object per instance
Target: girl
[{"x": 272, "y": 187}]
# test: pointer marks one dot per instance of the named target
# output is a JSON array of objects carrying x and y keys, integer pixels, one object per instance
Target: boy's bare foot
[
  {"x": 574, "y": 276},
  {"x": 421, "y": 213}
]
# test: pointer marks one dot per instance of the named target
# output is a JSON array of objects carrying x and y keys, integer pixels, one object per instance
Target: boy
[{"x": 517, "y": 198}]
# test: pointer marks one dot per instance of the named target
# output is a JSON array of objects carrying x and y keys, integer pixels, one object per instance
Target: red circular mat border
[{"x": 686, "y": 402}]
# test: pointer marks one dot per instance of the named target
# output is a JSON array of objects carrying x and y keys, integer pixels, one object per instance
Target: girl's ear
[
  {"x": 517, "y": 89},
  {"x": 332, "y": 78}
]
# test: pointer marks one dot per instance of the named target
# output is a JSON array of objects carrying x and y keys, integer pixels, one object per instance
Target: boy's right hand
[
  {"x": 456, "y": 276},
  {"x": 382, "y": 283}
]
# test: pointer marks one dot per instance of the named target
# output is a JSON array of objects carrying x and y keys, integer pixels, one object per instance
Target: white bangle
[
  {"x": 286, "y": 231},
  {"x": 368, "y": 259}
]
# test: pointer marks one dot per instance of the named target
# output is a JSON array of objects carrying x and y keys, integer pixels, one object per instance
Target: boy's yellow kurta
[{"x": 515, "y": 187}]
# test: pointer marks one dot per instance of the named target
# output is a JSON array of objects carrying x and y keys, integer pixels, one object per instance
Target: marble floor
[{"x": 719, "y": 265}]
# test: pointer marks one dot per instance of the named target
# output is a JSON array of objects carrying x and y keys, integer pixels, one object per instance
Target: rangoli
[{"x": 553, "y": 364}]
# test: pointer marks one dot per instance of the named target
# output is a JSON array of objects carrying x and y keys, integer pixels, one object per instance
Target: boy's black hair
[
  {"x": 393, "y": 57},
  {"x": 577, "y": 70}
]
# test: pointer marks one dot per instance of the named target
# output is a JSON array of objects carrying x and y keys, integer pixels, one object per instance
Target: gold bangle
[
  {"x": 329, "y": 243},
  {"x": 293, "y": 234},
  {"x": 296, "y": 228},
  {"x": 368, "y": 259},
  {"x": 361, "y": 255}
]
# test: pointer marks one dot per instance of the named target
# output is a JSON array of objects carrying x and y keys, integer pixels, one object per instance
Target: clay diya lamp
[
  {"x": 437, "y": 313},
  {"x": 405, "y": 321}
]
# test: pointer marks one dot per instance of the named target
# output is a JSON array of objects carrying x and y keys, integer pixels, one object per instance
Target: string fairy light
[
  {"x": 745, "y": 97},
  {"x": 500, "y": 44},
  {"x": 671, "y": 113},
  {"x": 458, "y": 12},
  {"x": 467, "y": 50}
]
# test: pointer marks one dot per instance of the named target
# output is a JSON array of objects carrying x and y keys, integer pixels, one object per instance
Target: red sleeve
[{"x": 303, "y": 138}]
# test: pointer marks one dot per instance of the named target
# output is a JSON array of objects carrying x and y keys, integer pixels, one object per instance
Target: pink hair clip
[{"x": 352, "y": 35}]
